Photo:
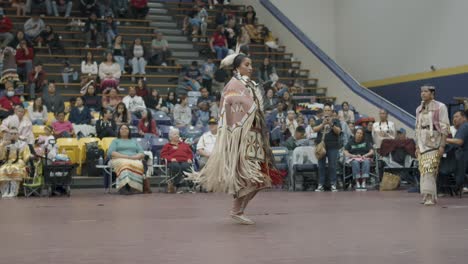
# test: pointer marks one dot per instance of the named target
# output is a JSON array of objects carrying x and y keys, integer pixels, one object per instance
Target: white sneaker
[
  {"x": 164, "y": 64},
  {"x": 363, "y": 186},
  {"x": 194, "y": 40},
  {"x": 465, "y": 190},
  {"x": 333, "y": 188},
  {"x": 242, "y": 219},
  {"x": 319, "y": 188},
  {"x": 358, "y": 186}
]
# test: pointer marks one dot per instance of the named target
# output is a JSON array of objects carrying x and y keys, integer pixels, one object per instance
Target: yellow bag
[{"x": 390, "y": 182}]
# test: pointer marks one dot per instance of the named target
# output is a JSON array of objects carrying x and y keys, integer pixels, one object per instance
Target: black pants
[
  {"x": 176, "y": 170},
  {"x": 207, "y": 84}
]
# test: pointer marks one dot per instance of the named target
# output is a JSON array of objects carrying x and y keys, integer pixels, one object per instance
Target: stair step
[
  {"x": 181, "y": 46},
  {"x": 155, "y": 5},
  {"x": 187, "y": 62},
  {"x": 179, "y": 54},
  {"x": 156, "y": 11},
  {"x": 159, "y": 17},
  {"x": 176, "y": 38},
  {"x": 163, "y": 24},
  {"x": 170, "y": 31}
]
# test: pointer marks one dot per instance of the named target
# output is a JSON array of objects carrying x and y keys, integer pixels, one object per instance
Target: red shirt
[
  {"x": 139, "y": 3},
  {"x": 182, "y": 152},
  {"x": 5, "y": 25},
  {"x": 21, "y": 55},
  {"x": 142, "y": 92},
  {"x": 144, "y": 128},
  {"x": 219, "y": 40},
  {"x": 9, "y": 102}
]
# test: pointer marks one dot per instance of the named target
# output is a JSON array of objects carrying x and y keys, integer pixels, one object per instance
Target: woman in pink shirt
[{"x": 61, "y": 127}]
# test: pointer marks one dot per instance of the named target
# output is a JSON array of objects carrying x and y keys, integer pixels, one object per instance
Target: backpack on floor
[{"x": 93, "y": 153}]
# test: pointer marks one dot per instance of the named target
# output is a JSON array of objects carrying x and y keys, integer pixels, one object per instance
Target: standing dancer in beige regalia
[
  {"x": 241, "y": 163},
  {"x": 432, "y": 128}
]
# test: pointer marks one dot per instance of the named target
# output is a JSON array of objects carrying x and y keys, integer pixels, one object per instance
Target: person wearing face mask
[
  {"x": 8, "y": 102},
  {"x": 15, "y": 154}
]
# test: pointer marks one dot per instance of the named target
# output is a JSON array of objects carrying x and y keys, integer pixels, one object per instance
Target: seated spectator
[
  {"x": 383, "y": 129},
  {"x": 250, "y": 15},
  {"x": 92, "y": 100},
  {"x": 88, "y": 7},
  {"x": 297, "y": 140},
  {"x": 109, "y": 72},
  {"x": 43, "y": 144},
  {"x": 309, "y": 130},
  {"x": 160, "y": 50},
  {"x": 154, "y": 101},
  {"x": 110, "y": 30},
  {"x": 359, "y": 154},
  {"x": 281, "y": 114},
  {"x": 38, "y": 6},
  {"x": 16, "y": 155},
  {"x": 8, "y": 102},
  {"x": 232, "y": 33},
  {"x": 222, "y": 17},
  {"x": 301, "y": 121},
  {"x": 122, "y": 115},
  {"x": 89, "y": 70},
  {"x": 106, "y": 126},
  {"x": 67, "y": 73},
  {"x": 193, "y": 77},
  {"x": 33, "y": 27},
  {"x": 5, "y": 29},
  {"x": 22, "y": 123},
  {"x": 111, "y": 99},
  {"x": 269, "y": 102},
  {"x": 138, "y": 9},
  {"x": 207, "y": 142},
  {"x": 24, "y": 59},
  {"x": 93, "y": 31},
  {"x": 119, "y": 51},
  {"x": 37, "y": 81},
  {"x": 137, "y": 57},
  {"x": 267, "y": 72},
  {"x": 460, "y": 139},
  {"x": 127, "y": 161},
  {"x": 178, "y": 156},
  {"x": 182, "y": 113},
  {"x": 141, "y": 88},
  {"x": 147, "y": 125},
  {"x": 215, "y": 106},
  {"x": 171, "y": 101},
  {"x": 271, "y": 42},
  {"x": 37, "y": 112},
  {"x": 71, "y": 104},
  {"x": 208, "y": 70},
  {"x": 346, "y": 114},
  {"x": 53, "y": 101},
  {"x": 205, "y": 97},
  {"x": 64, "y": 6},
  {"x": 19, "y": 36},
  {"x": 218, "y": 43},
  {"x": 291, "y": 122},
  {"x": 134, "y": 103},
  {"x": 119, "y": 7},
  {"x": 105, "y": 9},
  {"x": 62, "y": 128},
  {"x": 50, "y": 39},
  {"x": 198, "y": 21},
  {"x": 203, "y": 114},
  {"x": 20, "y": 6},
  {"x": 288, "y": 102},
  {"x": 81, "y": 118}
]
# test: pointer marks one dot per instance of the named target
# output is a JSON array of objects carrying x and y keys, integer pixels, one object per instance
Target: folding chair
[
  {"x": 374, "y": 178},
  {"x": 302, "y": 162},
  {"x": 34, "y": 185}
]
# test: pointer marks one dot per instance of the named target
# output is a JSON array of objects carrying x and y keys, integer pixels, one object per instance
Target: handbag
[
  {"x": 320, "y": 150},
  {"x": 390, "y": 182}
]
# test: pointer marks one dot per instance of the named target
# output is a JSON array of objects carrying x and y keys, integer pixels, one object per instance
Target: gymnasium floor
[{"x": 345, "y": 227}]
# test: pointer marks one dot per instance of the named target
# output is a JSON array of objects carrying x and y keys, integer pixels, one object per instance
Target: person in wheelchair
[
  {"x": 179, "y": 158},
  {"x": 358, "y": 153},
  {"x": 126, "y": 160},
  {"x": 14, "y": 157}
]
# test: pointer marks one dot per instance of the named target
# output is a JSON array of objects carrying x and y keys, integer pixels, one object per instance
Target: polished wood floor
[{"x": 302, "y": 228}]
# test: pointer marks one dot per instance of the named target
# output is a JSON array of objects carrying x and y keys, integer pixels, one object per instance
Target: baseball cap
[{"x": 212, "y": 121}]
